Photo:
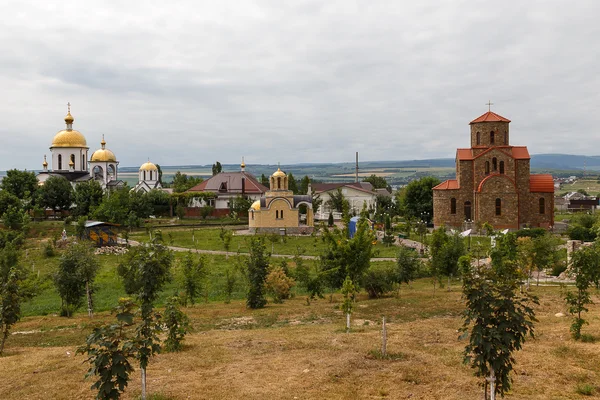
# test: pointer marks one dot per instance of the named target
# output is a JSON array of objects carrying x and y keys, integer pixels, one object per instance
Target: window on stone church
[
  {"x": 478, "y": 138},
  {"x": 453, "y": 206},
  {"x": 487, "y": 167},
  {"x": 494, "y": 164},
  {"x": 468, "y": 210},
  {"x": 59, "y": 161},
  {"x": 498, "y": 207},
  {"x": 281, "y": 214},
  {"x": 492, "y": 137},
  {"x": 501, "y": 167},
  {"x": 542, "y": 205}
]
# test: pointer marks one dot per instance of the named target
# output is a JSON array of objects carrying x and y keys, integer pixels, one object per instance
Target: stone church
[{"x": 493, "y": 183}]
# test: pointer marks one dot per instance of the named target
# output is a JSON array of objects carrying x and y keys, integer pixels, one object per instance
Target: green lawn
[{"x": 208, "y": 239}]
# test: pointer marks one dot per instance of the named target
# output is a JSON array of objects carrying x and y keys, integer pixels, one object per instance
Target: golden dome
[
  {"x": 103, "y": 154},
  {"x": 279, "y": 173},
  {"x": 148, "y": 166},
  {"x": 69, "y": 138},
  {"x": 255, "y": 206},
  {"x": 45, "y": 163},
  {"x": 69, "y": 118}
]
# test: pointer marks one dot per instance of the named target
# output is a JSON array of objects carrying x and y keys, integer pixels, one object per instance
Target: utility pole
[{"x": 357, "y": 167}]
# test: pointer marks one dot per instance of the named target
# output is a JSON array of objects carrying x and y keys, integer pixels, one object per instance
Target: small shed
[{"x": 102, "y": 233}]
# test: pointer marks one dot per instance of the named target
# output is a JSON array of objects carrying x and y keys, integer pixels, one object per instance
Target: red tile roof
[
  {"x": 490, "y": 117},
  {"x": 520, "y": 152},
  {"x": 233, "y": 184},
  {"x": 447, "y": 185},
  {"x": 541, "y": 183},
  {"x": 464, "y": 154}
]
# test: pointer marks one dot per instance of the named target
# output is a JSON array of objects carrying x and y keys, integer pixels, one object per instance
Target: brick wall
[{"x": 500, "y": 129}]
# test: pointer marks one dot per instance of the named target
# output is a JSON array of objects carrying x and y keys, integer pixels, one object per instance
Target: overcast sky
[{"x": 192, "y": 82}]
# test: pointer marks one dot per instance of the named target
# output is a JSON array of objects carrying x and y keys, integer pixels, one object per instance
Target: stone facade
[
  {"x": 493, "y": 183},
  {"x": 279, "y": 210}
]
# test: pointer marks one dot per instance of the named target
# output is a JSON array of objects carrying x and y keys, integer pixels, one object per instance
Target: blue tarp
[{"x": 352, "y": 226}]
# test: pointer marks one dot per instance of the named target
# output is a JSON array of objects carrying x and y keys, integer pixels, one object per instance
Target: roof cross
[
  {"x": 69, "y": 107},
  {"x": 489, "y": 104}
]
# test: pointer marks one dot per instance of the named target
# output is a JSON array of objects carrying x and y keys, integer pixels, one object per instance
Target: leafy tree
[
  {"x": 378, "y": 280},
  {"x": 257, "y": 266},
  {"x": 378, "y": 182},
  {"x": 10, "y": 303},
  {"x": 15, "y": 218},
  {"x": 75, "y": 276},
  {"x": 230, "y": 280},
  {"x": 183, "y": 182},
  {"x": 497, "y": 321},
  {"x": 312, "y": 282},
  {"x": 177, "y": 325},
  {"x": 145, "y": 270},
  {"x": 264, "y": 180},
  {"x": 337, "y": 201},
  {"x": 538, "y": 253},
  {"x": 407, "y": 265},
  {"x": 124, "y": 207},
  {"x": 349, "y": 291},
  {"x": 7, "y": 200},
  {"x": 226, "y": 235},
  {"x": 160, "y": 174},
  {"x": 292, "y": 184},
  {"x": 159, "y": 202},
  {"x": 385, "y": 206},
  {"x": 303, "y": 187},
  {"x": 417, "y": 197},
  {"x": 585, "y": 265},
  {"x": 388, "y": 238},
  {"x": 88, "y": 196},
  {"x": 108, "y": 349},
  {"x": 343, "y": 256},
  {"x": 316, "y": 201},
  {"x": 194, "y": 273},
  {"x": 21, "y": 184},
  {"x": 217, "y": 168},
  {"x": 240, "y": 205},
  {"x": 57, "y": 194}
]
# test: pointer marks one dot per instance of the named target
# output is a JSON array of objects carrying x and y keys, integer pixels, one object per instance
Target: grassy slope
[{"x": 292, "y": 350}]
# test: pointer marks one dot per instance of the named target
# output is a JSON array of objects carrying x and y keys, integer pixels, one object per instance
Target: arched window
[
  {"x": 498, "y": 207},
  {"x": 83, "y": 166},
  {"x": 281, "y": 214},
  {"x": 252, "y": 214},
  {"x": 468, "y": 210},
  {"x": 60, "y": 161},
  {"x": 478, "y": 138},
  {"x": 542, "y": 205},
  {"x": 501, "y": 167},
  {"x": 494, "y": 164},
  {"x": 277, "y": 214},
  {"x": 144, "y": 175},
  {"x": 72, "y": 160},
  {"x": 487, "y": 167},
  {"x": 453, "y": 206},
  {"x": 492, "y": 137},
  {"x": 278, "y": 183}
]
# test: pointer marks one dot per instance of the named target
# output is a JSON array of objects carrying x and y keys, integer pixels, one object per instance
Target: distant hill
[{"x": 565, "y": 162}]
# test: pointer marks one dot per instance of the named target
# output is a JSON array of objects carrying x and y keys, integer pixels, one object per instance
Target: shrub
[
  {"x": 49, "y": 250},
  {"x": 558, "y": 268},
  {"x": 378, "y": 281},
  {"x": 532, "y": 233},
  {"x": 176, "y": 323},
  {"x": 278, "y": 285}
]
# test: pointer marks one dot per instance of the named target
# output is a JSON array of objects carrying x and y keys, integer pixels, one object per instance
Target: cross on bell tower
[{"x": 489, "y": 104}]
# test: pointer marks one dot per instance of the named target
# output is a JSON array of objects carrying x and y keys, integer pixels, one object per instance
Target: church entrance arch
[{"x": 98, "y": 173}]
